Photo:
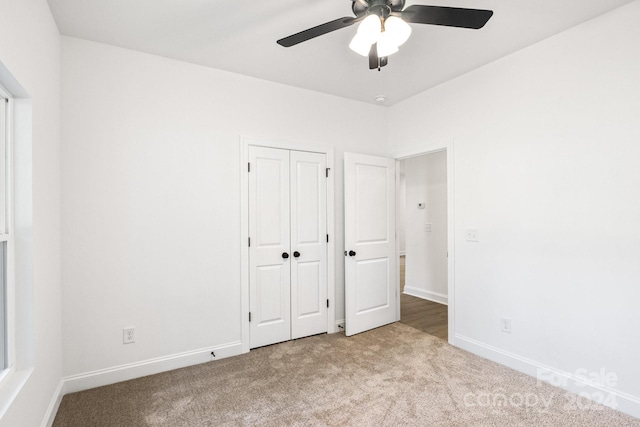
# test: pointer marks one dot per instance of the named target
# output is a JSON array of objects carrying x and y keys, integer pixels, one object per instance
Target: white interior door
[
  {"x": 269, "y": 250},
  {"x": 370, "y": 248},
  {"x": 308, "y": 244},
  {"x": 288, "y": 248}
]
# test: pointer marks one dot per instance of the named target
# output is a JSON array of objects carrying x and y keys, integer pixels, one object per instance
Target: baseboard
[
  {"x": 131, "y": 371},
  {"x": 428, "y": 295},
  {"x": 403, "y": 253},
  {"x": 339, "y": 325},
  {"x": 608, "y": 396},
  {"x": 54, "y": 405}
]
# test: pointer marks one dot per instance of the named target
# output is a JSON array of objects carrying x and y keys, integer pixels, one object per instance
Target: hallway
[{"x": 427, "y": 316}]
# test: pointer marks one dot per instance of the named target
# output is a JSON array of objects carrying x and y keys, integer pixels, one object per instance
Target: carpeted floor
[{"x": 391, "y": 376}]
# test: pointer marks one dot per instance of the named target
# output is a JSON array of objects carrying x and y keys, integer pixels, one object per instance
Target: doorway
[{"x": 423, "y": 231}]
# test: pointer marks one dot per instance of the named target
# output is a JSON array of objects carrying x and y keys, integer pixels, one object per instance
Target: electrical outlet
[
  {"x": 128, "y": 335},
  {"x": 472, "y": 235},
  {"x": 505, "y": 325}
]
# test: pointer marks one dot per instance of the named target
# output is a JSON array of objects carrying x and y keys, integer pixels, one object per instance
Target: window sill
[{"x": 11, "y": 383}]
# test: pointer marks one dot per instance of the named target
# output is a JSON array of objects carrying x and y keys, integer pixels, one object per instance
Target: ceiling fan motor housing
[{"x": 382, "y": 8}]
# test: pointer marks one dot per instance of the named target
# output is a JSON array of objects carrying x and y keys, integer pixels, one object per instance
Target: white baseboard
[
  {"x": 403, "y": 253},
  {"x": 54, "y": 405},
  {"x": 608, "y": 396},
  {"x": 131, "y": 371},
  {"x": 339, "y": 325},
  {"x": 428, "y": 295}
]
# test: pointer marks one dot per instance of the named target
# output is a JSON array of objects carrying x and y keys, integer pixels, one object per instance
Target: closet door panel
[
  {"x": 269, "y": 230},
  {"x": 308, "y": 189}
]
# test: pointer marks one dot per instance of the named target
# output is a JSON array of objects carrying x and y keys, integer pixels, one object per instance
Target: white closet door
[
  {"x": 269, "y": 253},
  {"x": 308, "y": 244},
  {"x": 370, "y": 262}
]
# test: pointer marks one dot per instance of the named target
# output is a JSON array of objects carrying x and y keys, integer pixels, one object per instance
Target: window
[{"x": 5, "y": 226}]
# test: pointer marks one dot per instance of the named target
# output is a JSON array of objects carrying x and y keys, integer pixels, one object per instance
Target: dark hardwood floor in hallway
[{"x": 427, "y": 316}]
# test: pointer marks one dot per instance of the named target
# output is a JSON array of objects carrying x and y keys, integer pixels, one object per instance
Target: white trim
[
  {"x": 619, "y": 400},
  {"x": 5, "y": 138},
  {"x": 339, "y": 325},
  {"x": 7, "y": 235},
  {"x": 54, "y": 405},
  {"x": 11, "y": 386},
  {"x": 398, "y": 253},
  {"x": 331, "y": 246},
  {"x": 244, "y": 247},
  {"x": 131, "y": 371},
  {"x": 245, "y": 142},
  {"x": 449, "y": 147},
  {"x": 424, "y": 294},
  {"x": 403, "y": 253}
]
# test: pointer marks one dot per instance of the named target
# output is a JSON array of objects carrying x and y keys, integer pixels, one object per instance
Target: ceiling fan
[{"x": 383, "y": 26}]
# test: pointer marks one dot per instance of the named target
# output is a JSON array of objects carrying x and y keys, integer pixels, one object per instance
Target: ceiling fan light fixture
[
  {"x": 370, "y": 28},
  {"x": 360, "y": 45},
  {"x": 397, "y": 29},
  {"x": 384, "y": 26},
  {"x": 386, "y": 45}
]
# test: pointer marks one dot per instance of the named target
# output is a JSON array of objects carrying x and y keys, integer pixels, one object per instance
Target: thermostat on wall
[{"x": 421, "y": 205}]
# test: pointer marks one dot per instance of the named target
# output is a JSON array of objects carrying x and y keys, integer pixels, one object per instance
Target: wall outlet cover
[
  {"x": 505, "y": 325},
  {"x": 128, "y": 335},
  {"x": 472, "y": 235}
]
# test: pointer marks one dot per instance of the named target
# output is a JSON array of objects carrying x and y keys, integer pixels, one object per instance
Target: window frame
[{"x": 7, "y": 284}]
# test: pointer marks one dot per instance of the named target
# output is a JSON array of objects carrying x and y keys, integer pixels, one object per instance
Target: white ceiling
[{"x": 240, "y": 36}]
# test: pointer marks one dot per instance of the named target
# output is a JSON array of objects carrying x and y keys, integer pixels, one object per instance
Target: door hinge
[
  {"x": 327, "y": 238},
  {"x": 249, "y": 167},
  {"x": 249, "y": 316},
  {"x": 327, "y": 303},
  {"x": 249, "y": 238},
  {"x": 327, "y": 172}
]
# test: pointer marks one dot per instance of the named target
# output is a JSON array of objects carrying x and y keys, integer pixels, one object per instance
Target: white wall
[
  {"x": 546, "y": 168},
  {"x": 426, "y": 259},
  {"x": 151, "y": 205},
  {"x": 30, "y": 53}
]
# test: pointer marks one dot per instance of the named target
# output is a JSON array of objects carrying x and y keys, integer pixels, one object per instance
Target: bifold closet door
[
  {"x": 288, "y": 250},
  {"x": 269, "y": 251},
  {"x": 308, "y": 244}
]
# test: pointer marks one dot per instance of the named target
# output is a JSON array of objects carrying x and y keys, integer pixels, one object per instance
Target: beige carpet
[{"x": 391, "y": 376}]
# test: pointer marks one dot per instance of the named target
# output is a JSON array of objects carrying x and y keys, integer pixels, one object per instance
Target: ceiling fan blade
[
  {"x": 447, "y": 16},
  {"x": 373, "y": 57},
  {"x": 325, "y": 28}
]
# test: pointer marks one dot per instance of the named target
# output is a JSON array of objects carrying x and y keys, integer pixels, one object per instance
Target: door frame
[
  {"x": 448, "y": 147},
  {"x": 245, "y": 142}
]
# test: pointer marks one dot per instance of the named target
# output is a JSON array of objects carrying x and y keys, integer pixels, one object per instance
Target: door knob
[
  {"x": 352, "y": 253},
  {"x": 285, "y": 255},
  {"x": 296, "y": 254}
]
